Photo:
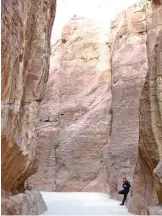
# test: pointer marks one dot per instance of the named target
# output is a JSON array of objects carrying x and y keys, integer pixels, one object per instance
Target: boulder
[{"x": 27, "y": 203}]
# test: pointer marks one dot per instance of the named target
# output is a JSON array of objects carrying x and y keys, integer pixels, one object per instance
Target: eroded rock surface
[
  {"x": 75, "y": 116},
  {"x": 155, "y": 210},
  {"x": 76, "y": 119},
  {"x": 129, "y": 68},
  {"x": 26, "y": 29},
  {"x": 28, "y": 203},
  {"x": 148, "y": 170}
]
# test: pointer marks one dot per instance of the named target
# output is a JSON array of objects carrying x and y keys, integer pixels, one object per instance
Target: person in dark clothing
[{"x": 125, "y": 191}]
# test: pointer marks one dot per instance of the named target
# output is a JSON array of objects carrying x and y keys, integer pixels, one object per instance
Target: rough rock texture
[
  {"x": 28, "y": 203},
  {"x": 155, "y": 210},
  {"x": 26, "y": 29},
  {"x": 148, "y": 173},
  {"x": 75, "y": 118},
  {"x": 75, "y": 115},
  {"x": 129, "y": 68}
]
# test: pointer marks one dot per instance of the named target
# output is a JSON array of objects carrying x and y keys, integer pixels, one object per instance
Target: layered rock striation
[
  {"x": 26, "y": 30},
  {"x": 75, "y": 116},
  {"x": 129, "y": 68},
  {"x": 100, "y": 120},
  {"x": 148, "y": 172}
]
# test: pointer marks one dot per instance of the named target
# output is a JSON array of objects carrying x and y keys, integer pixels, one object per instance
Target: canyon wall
[
  {"x": 136, "y": 134},
  {"x": 147, "y": 183},
  {"x": 128, "y": 68},
  {"x": 26, "y": 30},
  {"x": 95, "y": 128},
  {"x": 75, "y": 116}
]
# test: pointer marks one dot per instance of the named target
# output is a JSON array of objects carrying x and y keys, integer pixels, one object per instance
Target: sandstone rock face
[
  {"x": 148, "y": 173},
  {"x": 155, "y": 210},
  {"x": 26, "y": 29},
  {"x": 30, "y": 203},
  {"x": 80, "y": 111},
  {"x": 129, "y": 68},
  {"x": 45, "y": 178},
  {"x": 75, "y": 115}
]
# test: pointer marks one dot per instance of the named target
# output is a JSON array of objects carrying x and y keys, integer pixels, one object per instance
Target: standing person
[{"x": 125, "y": 191}]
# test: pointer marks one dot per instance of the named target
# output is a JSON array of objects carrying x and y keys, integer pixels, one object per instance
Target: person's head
[{"x": 124, "y": 179}]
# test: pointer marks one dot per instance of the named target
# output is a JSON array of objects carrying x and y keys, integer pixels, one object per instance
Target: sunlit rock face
[
  {"x": 91, "y": 137},
  {"x": 147, "y": 184},
  {"x": 75, "y": 115},
  {"x": 26, "y": 29},
  {"x": 129, "y": 68}
]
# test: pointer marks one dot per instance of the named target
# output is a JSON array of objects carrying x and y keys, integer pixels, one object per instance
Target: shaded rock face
[
  {"x": 75, "y": 115},
  {"x": 129, "y": 68},
  {"x": 148, "y": 173},
  {"x": 26, "y": 29}
]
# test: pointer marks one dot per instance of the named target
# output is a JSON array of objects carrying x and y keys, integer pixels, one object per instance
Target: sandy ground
[{"x": 82, "y": 203}]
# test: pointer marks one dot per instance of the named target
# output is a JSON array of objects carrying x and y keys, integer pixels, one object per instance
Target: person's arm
[{"x": 127, "y": 185}]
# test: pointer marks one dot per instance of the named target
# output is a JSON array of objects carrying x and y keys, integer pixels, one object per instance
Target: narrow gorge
[{"x": 81, "y": 102}]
